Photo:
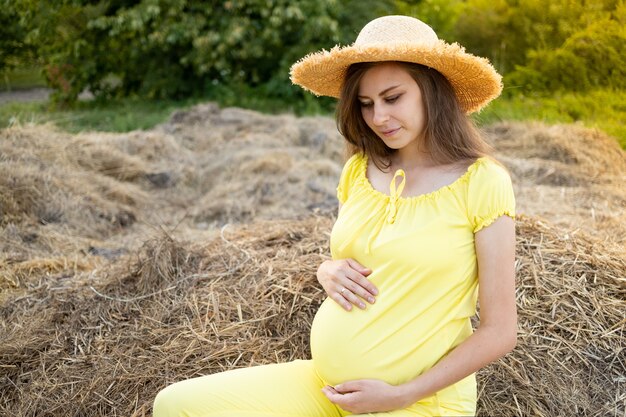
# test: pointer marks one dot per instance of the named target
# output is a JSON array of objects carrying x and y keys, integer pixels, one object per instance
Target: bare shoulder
[
  {"x": 461, "y": 166},
  {"x": 455, "y": 169}
]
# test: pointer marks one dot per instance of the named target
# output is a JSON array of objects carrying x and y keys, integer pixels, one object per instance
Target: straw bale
[
  {"x": 598, "y": 210},
  {"x": 57, "y": 194},
  {"x": 104, "y": 342},
  {"x": 206, "y": 127},
  {"x": 14, "y": 270},
  {"x": 577, "y": 154},
  {"x": 225, "y": 166},
  {"x": 45, "y": 144},
  {"x": 570, "y": 355},
  {"x": 130, "y": 261},
  {"x": 567, "y": 174},
  {"x": 100, "y": 157},
  {"x": 157, "y": 154},
  {"x": 266, "y": 183},
  {"x": 53, "y": 204}
]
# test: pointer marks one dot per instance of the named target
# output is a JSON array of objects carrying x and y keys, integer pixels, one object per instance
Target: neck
[{"x": 408, "y": 159}]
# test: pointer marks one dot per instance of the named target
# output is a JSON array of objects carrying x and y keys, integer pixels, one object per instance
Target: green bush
[
  {"x": 594, "y": 57},
  {"x": 539, "y": 46},
  {"x": 182, "y": 48},
  {"x": 13, "y": 47},
  {"x": 598, "y": 108}
]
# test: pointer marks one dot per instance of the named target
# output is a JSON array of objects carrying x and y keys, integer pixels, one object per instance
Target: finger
[
  {"x": 363, "y": 282},
  {"x": 347, "y": 387},
  {"x": 345, "y": 401},
  {"x": 348, "y": 295},
  {"x": 331, "y": 389},
  {"x": 339, "y": 299},
  {"x": 355, "y": 265},
  {"x": 331, "y": 394},
  {"x": 359, "y": 291}
]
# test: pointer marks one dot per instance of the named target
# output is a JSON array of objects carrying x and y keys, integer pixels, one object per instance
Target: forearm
[{"x": 484, "y": 346}]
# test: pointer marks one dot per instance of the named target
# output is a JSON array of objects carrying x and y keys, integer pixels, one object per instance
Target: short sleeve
[
  {"x": 490, "y": 195},
  {"x": 348, "y": 177}
]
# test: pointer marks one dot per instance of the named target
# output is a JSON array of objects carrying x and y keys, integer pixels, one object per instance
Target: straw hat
[{"x": 401, "y": 38}]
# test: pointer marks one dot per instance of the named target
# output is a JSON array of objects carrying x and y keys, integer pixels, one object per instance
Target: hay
[
  {"x": 104, "y": 343},
  {"x": 570, "y": 356},
  {"x": 130, "y": 261},
  {"x": 568, "y": 175},
  {"x": 14, "y": 271},
  {"x": 46, "y": 180},
  {"x": 583, "y": 154}
]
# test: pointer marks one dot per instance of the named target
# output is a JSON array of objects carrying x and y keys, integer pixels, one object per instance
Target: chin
[{"x": 395, "y": 145}]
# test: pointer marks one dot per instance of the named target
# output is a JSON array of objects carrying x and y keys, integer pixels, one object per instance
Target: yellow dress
[
  {"x": 421, "y": 252},
  {"x": 423, "y": 261}
]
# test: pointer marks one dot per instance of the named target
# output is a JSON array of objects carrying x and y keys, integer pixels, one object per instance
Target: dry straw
[
  {"x": 97, "y": 314},
  {"x": 103, "y": 343},
  {"x": 569, "y": 175}
]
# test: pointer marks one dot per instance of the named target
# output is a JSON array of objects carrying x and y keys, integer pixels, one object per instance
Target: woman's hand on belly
[
  {"x": 368, "y": 396},
  {"x": 345, "y": 282}
]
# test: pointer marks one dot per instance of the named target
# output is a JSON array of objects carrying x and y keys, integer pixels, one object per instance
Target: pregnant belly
[{"x": 383, "y": 342}]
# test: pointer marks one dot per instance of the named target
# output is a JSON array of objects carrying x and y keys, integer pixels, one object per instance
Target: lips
[{"x": 389, "y": 132}]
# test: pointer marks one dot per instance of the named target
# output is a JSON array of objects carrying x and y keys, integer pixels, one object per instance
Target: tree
[
  {"x": 177, "y": 48},
  {"x": 593, "y": 57},
  {"x": 538, "y": 45},
  {"x": 13, "y": 48}
]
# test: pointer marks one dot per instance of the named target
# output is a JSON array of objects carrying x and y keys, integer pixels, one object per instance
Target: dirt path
[{"x": 31, "y": 94}]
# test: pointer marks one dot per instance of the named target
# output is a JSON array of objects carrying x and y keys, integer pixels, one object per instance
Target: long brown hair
[{"x": 449, "y": 135}]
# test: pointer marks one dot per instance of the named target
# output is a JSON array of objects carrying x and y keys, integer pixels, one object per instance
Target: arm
[
  {"x": 496, "y": 335},
  {"x": 497, "y": 332}
]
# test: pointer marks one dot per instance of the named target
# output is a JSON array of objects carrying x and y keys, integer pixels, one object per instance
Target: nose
[{"x": 380, "y": 115}]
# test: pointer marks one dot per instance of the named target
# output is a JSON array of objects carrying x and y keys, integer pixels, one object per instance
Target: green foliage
[
  {"x": 238, "y": 52},
  {"x": 12, "y": 36},
  {"x": 599, "y": 108},
  {"x": 441, "y": 15},
  {"x": 120, "y": 115},
  {"x": 593, "y": 57},
  {"x": 22, "y": 77},
  {"x": 564, "y": 45},
  {"x": 182, "y": 48}
]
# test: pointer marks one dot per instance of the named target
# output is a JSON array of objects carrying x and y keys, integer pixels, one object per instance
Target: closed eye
[
  {"x": 393, "y": 99},
  {"x": 365, "y": 104}
]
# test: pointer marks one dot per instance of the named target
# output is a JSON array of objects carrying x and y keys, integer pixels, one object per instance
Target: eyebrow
[{"x": 382, "y": 93}]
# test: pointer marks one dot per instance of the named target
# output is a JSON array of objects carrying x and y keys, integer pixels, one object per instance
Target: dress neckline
[{"x": 430, "y": 195}]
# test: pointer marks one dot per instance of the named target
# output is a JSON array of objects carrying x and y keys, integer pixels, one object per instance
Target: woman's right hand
[{"x": 345, "y": 281}]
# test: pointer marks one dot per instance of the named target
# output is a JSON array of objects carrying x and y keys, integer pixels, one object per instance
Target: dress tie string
[{"x": 391, "y": 208}]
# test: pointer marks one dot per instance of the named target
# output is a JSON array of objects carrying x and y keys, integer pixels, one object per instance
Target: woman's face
[{"x": 392, "y": 106}]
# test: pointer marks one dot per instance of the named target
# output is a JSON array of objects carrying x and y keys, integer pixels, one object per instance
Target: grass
[
  {"x": 112, "y": 116},
  {"x": 602, "y": 109},
  {"x": 21, "y": 78},
  {"x": 122, "y": 115}
]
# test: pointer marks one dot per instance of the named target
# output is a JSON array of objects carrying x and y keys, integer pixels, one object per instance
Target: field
[{"x": 133, "y": 260}]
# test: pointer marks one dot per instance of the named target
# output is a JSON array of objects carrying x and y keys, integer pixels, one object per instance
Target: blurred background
[{"x": 119, "y": 65}]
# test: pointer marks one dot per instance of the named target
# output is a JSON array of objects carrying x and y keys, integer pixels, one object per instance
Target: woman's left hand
[{"x": 367, "y": 396}]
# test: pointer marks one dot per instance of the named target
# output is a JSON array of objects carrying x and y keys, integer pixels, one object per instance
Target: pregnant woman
[{"x": 425, "y": 230}]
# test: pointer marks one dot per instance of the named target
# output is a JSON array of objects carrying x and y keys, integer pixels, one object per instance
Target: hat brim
[{"x": 474, "y": 79}]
